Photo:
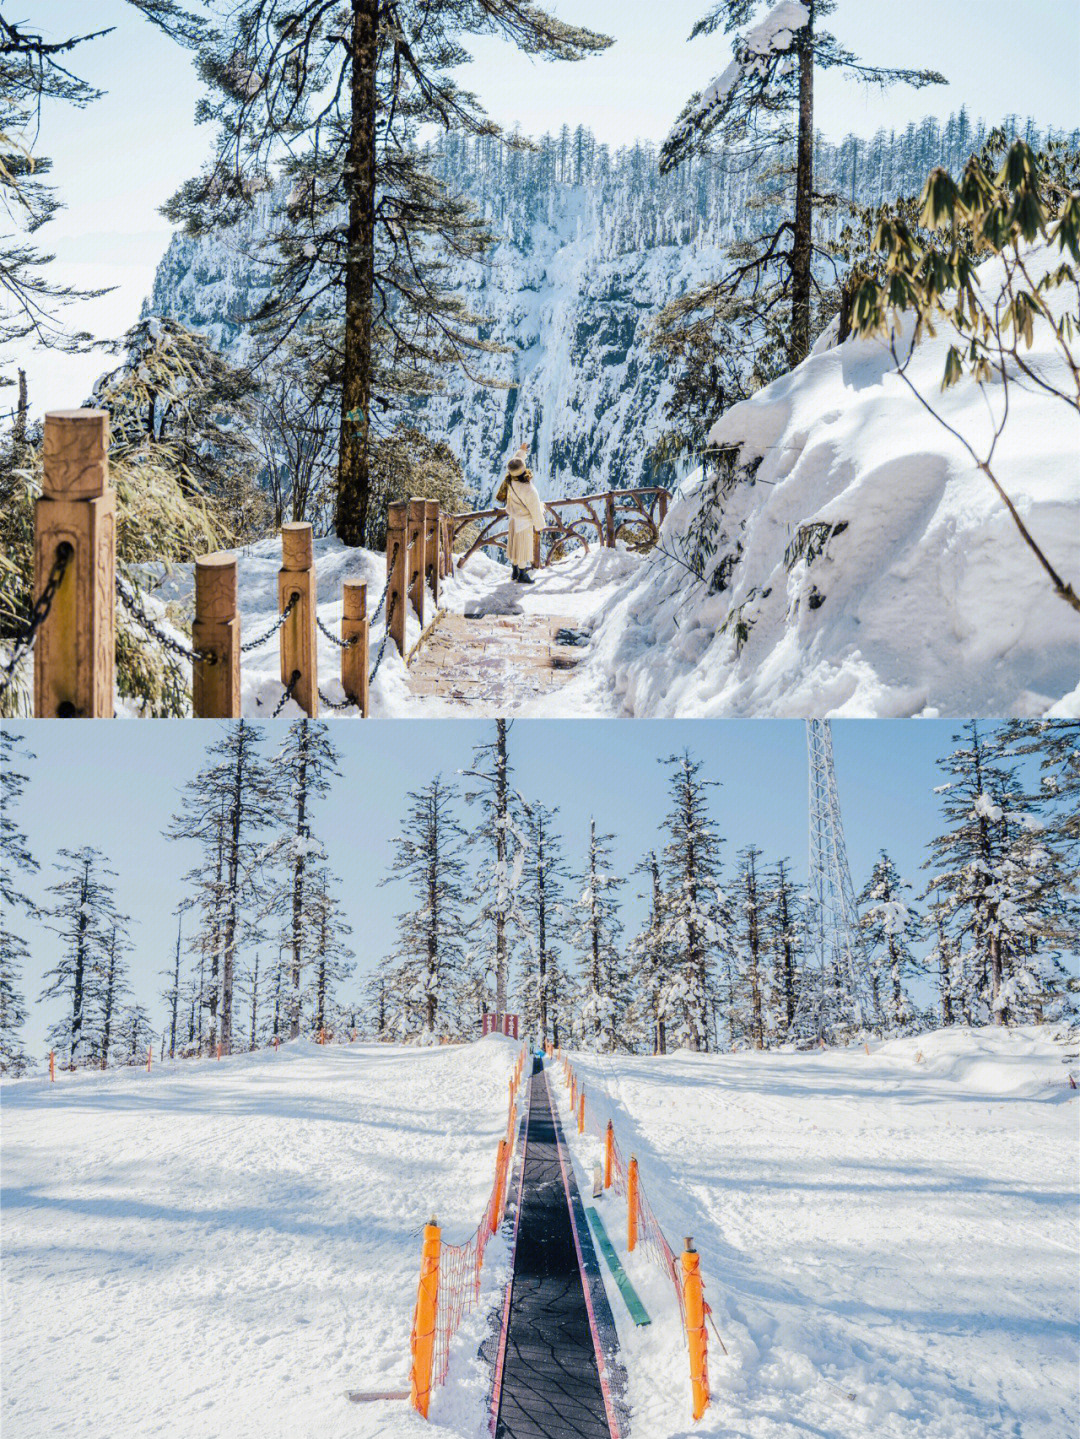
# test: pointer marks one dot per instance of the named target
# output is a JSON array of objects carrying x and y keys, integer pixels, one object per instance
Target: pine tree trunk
[
  {"x": 228, "y": 947},
  {"x": 79, "y": 978},
  {"x": 298, "y": 885},
  {"x": 254, "y": 1004},
  {"x": 801, "y": 251},
  {"x": 107, "y": 1008},
  {"x": 502, "y": 810},
  {"x": 350, "y": 520},
  {"x": 175, "y": 996}
]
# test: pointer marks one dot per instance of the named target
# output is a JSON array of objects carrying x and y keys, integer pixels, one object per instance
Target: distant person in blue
[{"x": 524, "y": 514}]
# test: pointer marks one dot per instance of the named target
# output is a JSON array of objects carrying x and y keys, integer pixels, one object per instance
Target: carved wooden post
[
  {"x": 298, "y": 645},
  {"x": 354, "y": 660},
  {"x": 397, "y": 535},
  {"x": 417, "y": 525},
  {"x": 609, "y": 520},
  {"x": 215, "y": 685},
  {"x": 536, "y": 550},
  {"x": 432, "y": 547},
  {"x": 661, "y": 507},
  {"x": 75, "y": 657}
]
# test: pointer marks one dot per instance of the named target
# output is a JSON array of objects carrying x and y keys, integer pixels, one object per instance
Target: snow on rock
[
  {"x": 864, "y": 565},
  {"x": 229, "y": 1248},
  {"x": 887, "y": 1240}
]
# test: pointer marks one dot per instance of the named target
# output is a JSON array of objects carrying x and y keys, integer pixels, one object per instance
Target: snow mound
[{"x": 863, "y": 565}]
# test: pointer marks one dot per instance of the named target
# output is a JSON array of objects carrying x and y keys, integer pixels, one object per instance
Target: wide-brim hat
[{"x": 516, "y": 466}]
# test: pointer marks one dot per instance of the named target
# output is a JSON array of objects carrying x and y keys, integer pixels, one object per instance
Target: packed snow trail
[
  {"x": 888, "y": 1240},
  {"x": 551, "y": 1384},
  {"x": 231, "y": 1248}
]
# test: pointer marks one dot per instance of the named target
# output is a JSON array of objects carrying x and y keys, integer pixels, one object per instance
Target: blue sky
[
  {"x": 116, "y": 784},
  {"x": 117, "y": 161}
]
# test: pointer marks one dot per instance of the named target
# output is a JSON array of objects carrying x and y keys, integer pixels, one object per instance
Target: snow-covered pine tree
[
  {"x": 764, "y": 101},
  {"x": 331, "y": 955},
  {"x": 602, "y": 1002},
  {"x": 889, "y": 926},
  {"x": 112, "y": 985},
  {"x": 337, "y": 94},
  {"x": 500, "y": 837},
  {"x": 227, "y": 809},
  {"x": 306, "y": 765},
  {"x": 16, "y": 861},
  {"x": 542, "y": 985},
  {"x": 134, "y": 1034},
  {"x": 996, "y": 879},
  {"x": 942, "y": 961},
  {"x": 787, "y": 939},
  {"x": 83, "y": 915},
  {"x": 651, "y": 961},
  {"x": 749, "y": 939},
  {"x": 696, "y": 918},
  {"x": 427, "y": 970}
]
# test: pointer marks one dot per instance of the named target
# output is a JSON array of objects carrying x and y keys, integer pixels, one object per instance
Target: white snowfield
[
  {"x": 226, "y": 1248},
  {"x": 888, "y": 1241}
]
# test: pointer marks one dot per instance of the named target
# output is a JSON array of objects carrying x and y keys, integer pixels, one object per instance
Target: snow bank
[
  {"x": 228, "y": 1248},
  {"x": 865, "y": 566},
  {"x": 887, "y": 1241}
]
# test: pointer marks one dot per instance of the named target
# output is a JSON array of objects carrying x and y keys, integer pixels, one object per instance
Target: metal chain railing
[
  {"x": 24, "y": 643},
  {"x": 382, "y": 647},
  {"x": 134, "y": 607},
  {"x": 389, "y": 576},
  {"x": 347, "y": 703},
  {"x": 272, "y": 631},
  {"x": 341, "y": 644},
  {"x": 287, "y": 693}
]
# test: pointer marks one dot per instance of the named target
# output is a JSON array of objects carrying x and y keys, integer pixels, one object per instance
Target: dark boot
[
  {"x": 524, "y": 578},
  {"x": 516, "y": 575}
]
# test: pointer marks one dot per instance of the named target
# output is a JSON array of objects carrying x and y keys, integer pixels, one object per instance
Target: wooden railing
[{"x": 602, "y": 517}]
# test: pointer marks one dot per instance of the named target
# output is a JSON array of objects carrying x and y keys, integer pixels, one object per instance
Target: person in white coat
[{"x": 525, "y": 515}]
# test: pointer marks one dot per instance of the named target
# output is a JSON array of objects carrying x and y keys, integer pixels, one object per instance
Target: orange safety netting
[
  {"x": 459, "y": 1280},
  {"x": 648, "y": 1226}
]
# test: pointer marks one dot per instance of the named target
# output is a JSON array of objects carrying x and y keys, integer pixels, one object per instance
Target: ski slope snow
[
  {"x": 226, "y": 1248},
  {"x": 888, "y": 1240}
]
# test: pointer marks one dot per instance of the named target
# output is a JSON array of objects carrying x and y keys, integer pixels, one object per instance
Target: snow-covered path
[
  {"x": 228, "y": 1248},
  {"x": 888, "y": 1241}
]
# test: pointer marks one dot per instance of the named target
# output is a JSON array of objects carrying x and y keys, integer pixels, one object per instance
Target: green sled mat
[{"x": 626, "y": 1289}]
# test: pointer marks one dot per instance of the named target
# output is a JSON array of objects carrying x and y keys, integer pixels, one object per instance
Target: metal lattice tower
[{"x": 833, "y": 922}]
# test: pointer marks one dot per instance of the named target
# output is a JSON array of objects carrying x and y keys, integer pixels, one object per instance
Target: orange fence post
[
  {"x": 149, "y": 1057},
  {"x": 423, "y": 1331},
  {"x": 219, "y": 1049},
  {"x": 631, "y": 1204},
  {"x": 695, "y": 1327},
  {"x": 52, "y": 1066},
  {"x": 609, "y": 1153},
  {"x": 500, "y": 1184},
  {"x": 581, "y": 1112},
  {"x": 276, "y": 1041}
]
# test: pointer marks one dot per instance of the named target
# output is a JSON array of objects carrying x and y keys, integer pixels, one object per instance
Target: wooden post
[
  {"x": 397, "y": 537},
  {"x": 219, "y": 1049},
  {"x": 536, "y": 550},
  {"x": 433, "y": 547},
  {"x": 52, "y": 1066},
  {"x": 423, "y": 1331},
  {"x": 354, "y": 660},
  {"x": 417, "y": 524},
  {"x": 581, "y": 1112},
  {"x": 298, "y": 643},
  {"x": 609, "y": 1153},
  {"x": 694, "y": 1301},
  {"x": 215, "y": 686},
  {"x": 75, "y": 655},
  {"x": 609, "y": 520},
  {"x": 631, "y": 1204},
  {"x": 149, "y": 1057},
  {"x": 661, "y": 507}
]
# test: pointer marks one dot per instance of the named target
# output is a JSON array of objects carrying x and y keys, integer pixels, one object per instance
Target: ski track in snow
[
  {"x": 881, "y": 1227},
  {"x": 227, "y": 1248}
]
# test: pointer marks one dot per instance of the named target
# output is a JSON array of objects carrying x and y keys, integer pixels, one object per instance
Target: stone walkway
[{"x": 492, "y": 659}]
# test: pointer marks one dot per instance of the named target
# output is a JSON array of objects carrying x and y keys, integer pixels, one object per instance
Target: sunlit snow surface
[
  {"x": 226, "y": 1248},
  {"x": 888, "y": 1241}
]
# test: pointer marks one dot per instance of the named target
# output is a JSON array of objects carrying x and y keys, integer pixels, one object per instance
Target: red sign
[{"x": 509, "y": 1025}]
